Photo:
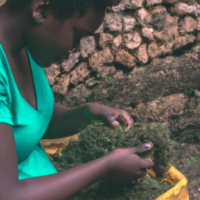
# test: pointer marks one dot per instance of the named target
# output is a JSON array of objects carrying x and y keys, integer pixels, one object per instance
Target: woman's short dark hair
[{"x": 65, "y": 8}]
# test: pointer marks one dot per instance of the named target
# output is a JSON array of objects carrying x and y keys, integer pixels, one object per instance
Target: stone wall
[{"x": 133, "y": 34}]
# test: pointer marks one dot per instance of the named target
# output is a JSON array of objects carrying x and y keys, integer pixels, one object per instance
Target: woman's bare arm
[
  {"x": 53, "y": 187},
  {"x": 67, "y": 121}
]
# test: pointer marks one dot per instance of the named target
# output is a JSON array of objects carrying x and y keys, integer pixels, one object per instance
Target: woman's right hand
[{"x": 125, "y": 166}]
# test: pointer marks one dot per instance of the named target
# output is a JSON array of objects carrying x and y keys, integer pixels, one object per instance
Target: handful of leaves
[{"x": 98, "y": 140}]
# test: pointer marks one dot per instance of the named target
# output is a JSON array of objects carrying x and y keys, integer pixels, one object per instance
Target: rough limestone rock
[
  {"x": 176, "y": 44},
  {"x": 124, "y": 58},
  {"x": 79, "y": 74},
  {"x": 153, "y": 2},
  {"x": 158, "y": 18},
  {"x": 185, "y": 9},
  {"x": 80, "y": 93},
  {"x": 148, "y": 33},
  {"x": 167, "y": 35},
  {"x": 105, "y": 38},
  {"x": 98, "y": 59},
  {"x": 133, "y": 40},
  {"x": 188, "y": 25},
  {"x": 82, "y": 71},
  {"x": 165, "y": 49},
  {"x": 94, "y": 61},
  {"x": 143, "y": 16},
  {"x": 62, "y": 84},
  {"x": 74, "y": 78},
  {"x": 198, "y": 23},
  {"x": 171, "y": 21},
  {"x": 105, "y": 71},
  {"x": 113, "y": 22},
  {"x": 182, "y": 41},
  {"x": 87, "y": 46},
  {"x": 116, "y": 42},
  {"x": 153, "y": 50},
  {"x": 159, "y": 9},
  {"x": 69, "y": 64},
  {"x": 128, "y": 23},
  {"x": 128, "y": 4},
  {"x": 51, "y": 73},
  {"x": 142, "y": 54}
]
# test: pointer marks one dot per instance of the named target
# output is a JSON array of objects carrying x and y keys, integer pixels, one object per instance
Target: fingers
[
  {"x": 130, "y": 122},
  {"x": 125, "y": 118},
  {"x": 141, "y": 174},
  {"x": 145, "y": 164},
  {"x": 109, "y": 119},
  {"x": 143, "y": 148}
]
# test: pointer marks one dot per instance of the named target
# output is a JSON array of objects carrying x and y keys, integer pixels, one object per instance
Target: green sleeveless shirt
[{"x": 29, "y": 125}]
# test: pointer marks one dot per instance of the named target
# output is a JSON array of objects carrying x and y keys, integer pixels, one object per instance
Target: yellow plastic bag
[
  {"x": 174, "y": 177},
  {"x": 57, "y": 145}
]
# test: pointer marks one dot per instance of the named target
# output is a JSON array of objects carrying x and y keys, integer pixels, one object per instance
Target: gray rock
[
  {"x": 128, "y": 4},
  {"x": 128, "y": 23},
  {"x": 117, "y": 41},
  {"x": 148, "y": 33},
  {"x": 185, "y": 9},
  {"x": 87, "y": 46},
  {"x": 52, "y": 72},
  {"x": 100, "y": 58},
  {"x": 104, "y": 39},
  {"x": 125, "y": 58},
  {"x": 132, "y": 40},
  {"x": 153, "y": 2},
  {"x": 69, "y": 64},
  {"x": 62, "y": 84},
  {"x": 113, "y": 22},
  {"x": 142, "y": 54}
]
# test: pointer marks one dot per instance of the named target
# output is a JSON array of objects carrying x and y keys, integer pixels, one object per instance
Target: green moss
[
  {"x": 149, "y": 189},
  {"x": 98, "y": 140},
  {"x": 191, "y": 92}
]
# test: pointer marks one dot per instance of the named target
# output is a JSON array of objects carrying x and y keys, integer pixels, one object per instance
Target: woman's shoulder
[
  {"x": 4, "y": 70},
  {"x": 5, "y": 101}
]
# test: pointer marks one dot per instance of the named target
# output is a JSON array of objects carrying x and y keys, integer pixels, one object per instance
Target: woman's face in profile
[{"x": 51, "y": 40}]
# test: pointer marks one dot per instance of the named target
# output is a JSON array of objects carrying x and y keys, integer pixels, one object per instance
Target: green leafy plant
[{"x": 191, "y": 92}]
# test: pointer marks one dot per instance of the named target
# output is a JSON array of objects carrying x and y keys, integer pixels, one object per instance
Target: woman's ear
[{"x": 38, "y": 8}]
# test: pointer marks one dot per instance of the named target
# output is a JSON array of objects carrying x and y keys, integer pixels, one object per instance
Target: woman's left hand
[{"x": 114, "y": 117}]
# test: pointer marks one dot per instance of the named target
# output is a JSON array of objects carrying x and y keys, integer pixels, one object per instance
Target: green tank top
[{"x": 29, "y": 125}]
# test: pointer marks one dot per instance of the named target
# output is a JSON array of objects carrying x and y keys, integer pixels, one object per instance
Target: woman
[{"x": 33, "y": 35}]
